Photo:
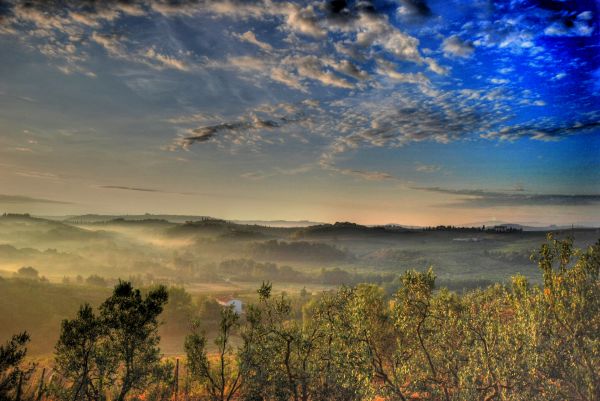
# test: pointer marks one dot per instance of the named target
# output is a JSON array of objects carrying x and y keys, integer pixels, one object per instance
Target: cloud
[
  {"x": 277, "y": 171},
  {"x": 455, "y": 46},
  {"x": 253, "y": 175},
  {"x": 366, "y": 174},
  {"x": 246, "y": 130},
  {"x": 499, "y": 81},
  {"x": 314, "y": 68},
  {"x": 63, "y": 31},
  {"x": 427, "y": 168},
  {"x": 110, "y": 43},
  {"x": 37, "y": 174},
  {"x": 389, "y": 70},
  {"x": 250, "y": 37},
  {"x": 414, "y": 8},
  {"x": 141, "y": 189},
  {"x": 115, "y": 46},
  {"x": 327, "y": 163},
  {"x": 378, "y": 86},
  {"x": 20, "y": 199},
  {"x": 543, "y": 131},
  {"x": 303, "y": 20},
  {"x": 348, "y": 68},
  {"x": 484, "y": 199},
  {"x": 285, "y": 77},
  {"x": 70, "y": 26},
  {"x": 138, "y": 189},
  {"x": 165, "y": 61},
  {"x": 569, "y": 25}
]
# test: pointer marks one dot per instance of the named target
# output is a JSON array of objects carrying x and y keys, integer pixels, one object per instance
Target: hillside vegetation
[
  {"x": 518, "y": 341},
  {"x": 174, "y": 252}
]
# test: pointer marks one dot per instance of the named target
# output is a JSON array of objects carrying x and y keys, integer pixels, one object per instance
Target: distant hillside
[
  {"x": 226, "y": 229},
  {"x": 303, "y": 251},
  {"x": 529, "y": 226},
  {"x": 279, "y": 223},
  {"x": 97, "y": 218},
  {"x": 346, "y": 229},
  {"x": 173, "y": 218},
  {"x": 30, "y": 228}
]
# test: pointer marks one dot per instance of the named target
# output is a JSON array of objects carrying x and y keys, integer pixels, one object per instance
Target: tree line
[{"x": 506, "y": 342}]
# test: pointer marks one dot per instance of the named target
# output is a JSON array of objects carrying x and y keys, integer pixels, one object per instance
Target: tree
[
  {"x": 12, "y": 374},
  {"x": 178, "y": 313},
  {"x": 133, "y": 334},
  {"x": 285, "y": 358},
  {"x": 28, "y": 272},
  {"x": 222, "y": 379},
  {"x": 425, "y": 339},
  {"x": 372, "y": 327},
  {"x": 97, "y": 280},
  {"x": 275, "y": 358},
  {"x": 116, "y": 347},
  {"x": 341, "y": 370},
  {"x": 569, "y": 321},
  {"x": 84, "y": 357}
]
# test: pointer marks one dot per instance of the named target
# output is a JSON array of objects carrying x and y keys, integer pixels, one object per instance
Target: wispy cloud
[
  {"x": 70, "y": 26},
  {"x": 142, "y": 189},
  {"x": 25, "y": 200},
  {"x": 482, "y": 198},
  {"x": 124, "y": 188},
  {"x": 547, "y": 130},
  {"x": 427, "y": 168},
  {"x": 250, "y": 37},
  {"x": 248, "y": 129},
  {"x": 369, "y": 175}
]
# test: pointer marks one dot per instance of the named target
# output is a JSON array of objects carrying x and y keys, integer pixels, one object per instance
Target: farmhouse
[{"x": 230, "y": 301}]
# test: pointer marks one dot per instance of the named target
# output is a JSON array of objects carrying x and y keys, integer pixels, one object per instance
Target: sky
[{"x": 417, "y": 112}]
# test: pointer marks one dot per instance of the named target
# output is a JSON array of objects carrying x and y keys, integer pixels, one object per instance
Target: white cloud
[
  {"x": 427, "y": 168},
  {"x": 314, "y": 68},
  {"x": 111, "y": 44},
  {"x": 579, "y": 27},
  {"x": 250, "y": 37},
  {"x": 456, "y": 47},
  {"x": 165, "y": 61},
  {"x": 389, "y": 70}
]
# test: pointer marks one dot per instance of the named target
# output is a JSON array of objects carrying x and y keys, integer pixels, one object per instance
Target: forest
[{"x": 518, "y": 340}]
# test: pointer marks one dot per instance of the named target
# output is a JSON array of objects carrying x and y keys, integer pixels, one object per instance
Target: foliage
[
  {"x": 12, "y": 373},
  {"x": 297, "y": 250},
  {"x": 513, "y": 342},
  {"x": 517, "y": 342},
  {"x": 114, "y": 351},
  {"x": 28, "y": 272},
  {"x": 220, "y": 379}
]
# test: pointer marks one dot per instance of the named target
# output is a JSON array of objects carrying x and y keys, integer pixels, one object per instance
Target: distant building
[
  {"x": 507, "y": 228},
  {"x": 236, "y": 303}
]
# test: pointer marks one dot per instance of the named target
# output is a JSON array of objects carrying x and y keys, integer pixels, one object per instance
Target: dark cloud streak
[
  {"x": 547, "y": 132},
  {"x": 20, "y": 199},
  {"x": 151, "y": 190},
  {"x": 484, "y": 199},
  {"x": 131, "y": 188},
  {"x": 205, "y": 134}
]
